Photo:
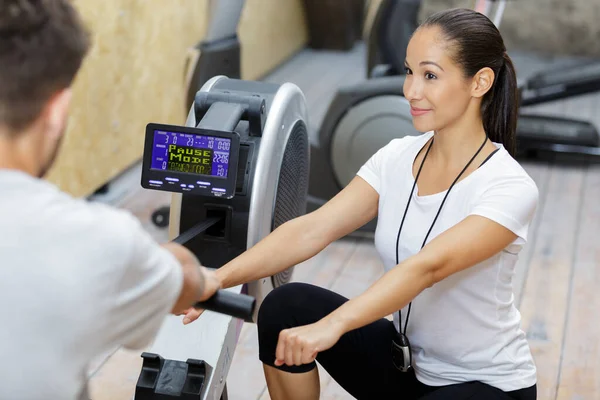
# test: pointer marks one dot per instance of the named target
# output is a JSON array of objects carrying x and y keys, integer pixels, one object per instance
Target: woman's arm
[
  {"x": 301, "y": 238},
  {"x": 468, "y": 243},
  {"x": 471, "y": 241}
]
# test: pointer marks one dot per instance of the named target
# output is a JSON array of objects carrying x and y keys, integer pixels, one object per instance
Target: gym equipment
[
  {"x": 485, "y": 7},
  {"x": 557, "y": 134},
  {"x": 238, "y": 170},
  {"x": 393, "y": 24},
  {"x": 364, "y": 117},
  {"x": 217, "y": 54},
  {"x": 360, "y": 120}
]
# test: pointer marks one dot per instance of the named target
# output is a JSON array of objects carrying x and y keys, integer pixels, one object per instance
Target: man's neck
[{"x": 14, "y": 153}]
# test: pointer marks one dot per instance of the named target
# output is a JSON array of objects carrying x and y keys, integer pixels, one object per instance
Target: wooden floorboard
[
  {"x": 547, "y": 290},
  {"x": 556, "y": 281},
  {"x": 579, "y": 375},
  {"x": 540, "y": 173}
]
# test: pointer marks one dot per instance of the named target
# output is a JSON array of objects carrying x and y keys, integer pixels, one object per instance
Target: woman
[{"x": 453, "y": 210}]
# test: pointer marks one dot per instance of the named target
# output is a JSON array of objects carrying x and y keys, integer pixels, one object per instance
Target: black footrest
[{"x": 162, "y": 379}]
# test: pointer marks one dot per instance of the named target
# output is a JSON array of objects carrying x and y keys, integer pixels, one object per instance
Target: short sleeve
[
  {"x": 372, "y": 170},
  {"x": 511, "y": 202},
  {"x": 148, "y": 289}
]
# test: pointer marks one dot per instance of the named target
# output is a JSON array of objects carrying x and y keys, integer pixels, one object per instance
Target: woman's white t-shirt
[{"x": 466, "y": 327}]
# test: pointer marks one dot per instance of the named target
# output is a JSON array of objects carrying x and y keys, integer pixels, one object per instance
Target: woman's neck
[{"x": 457, "y": 143}]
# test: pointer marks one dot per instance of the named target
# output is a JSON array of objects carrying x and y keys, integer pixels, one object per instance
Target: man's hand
[
  {"x": 212, "y": 284},
  {"x": 199, "y": 283}
]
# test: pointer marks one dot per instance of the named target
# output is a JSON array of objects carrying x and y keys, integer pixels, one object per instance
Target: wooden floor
[{"x": 557, "y": 285}]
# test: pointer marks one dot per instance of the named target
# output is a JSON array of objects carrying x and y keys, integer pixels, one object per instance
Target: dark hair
[
  {"x": 476, "y": 43},
  {"x": 42, "y": 46}
]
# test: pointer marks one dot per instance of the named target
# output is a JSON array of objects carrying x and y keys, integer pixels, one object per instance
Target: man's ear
[
  {"x": 482, "y": 82},
  {"x": 57, "y": 113}
]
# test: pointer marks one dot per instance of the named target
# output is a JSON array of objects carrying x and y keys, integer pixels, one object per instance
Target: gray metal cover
[
  {"x": 287, "y": 110},
  {"x": 366, "y": 128}
]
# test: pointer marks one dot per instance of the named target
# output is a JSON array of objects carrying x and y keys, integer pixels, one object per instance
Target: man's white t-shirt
[
  {"x": 466, "y": 327},
  {"x": 77, "y": 279}
]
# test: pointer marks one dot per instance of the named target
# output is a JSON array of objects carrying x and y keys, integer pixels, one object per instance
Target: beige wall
[
  {"x": 134, "y": 74},
  {"x": 270, "y": 32}
]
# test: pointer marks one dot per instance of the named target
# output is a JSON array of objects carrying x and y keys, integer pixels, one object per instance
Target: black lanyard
[{"x": 435, "y": 219}]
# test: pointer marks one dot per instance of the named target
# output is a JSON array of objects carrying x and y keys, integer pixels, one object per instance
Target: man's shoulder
[
  {"x": 72, "y": 213},
  {"x": 35, "y": 205}
]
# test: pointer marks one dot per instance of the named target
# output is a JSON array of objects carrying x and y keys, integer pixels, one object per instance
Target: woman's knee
[
  {"x": 282, "y": 302},
  {"x": 281, "y": 309}
]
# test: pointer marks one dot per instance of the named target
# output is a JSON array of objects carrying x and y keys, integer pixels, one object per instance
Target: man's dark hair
[{"x": 42, "y": 46}]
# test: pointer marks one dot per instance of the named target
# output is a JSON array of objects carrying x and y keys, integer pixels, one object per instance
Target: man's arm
[
  {"x": 199, "y": 283},
  {"x": 153, "y": 280}
]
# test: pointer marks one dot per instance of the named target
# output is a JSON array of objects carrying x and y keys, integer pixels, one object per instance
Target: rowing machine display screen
[
  {"x": 190, "y": 160},
  {"x": 187, "y": 152}
]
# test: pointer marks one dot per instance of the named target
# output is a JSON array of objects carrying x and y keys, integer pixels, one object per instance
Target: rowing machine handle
[{"x": 224, "y": 302}]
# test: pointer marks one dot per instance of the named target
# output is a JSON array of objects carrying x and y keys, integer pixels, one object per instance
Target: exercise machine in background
[
  {"x": 542, "y": 133},
  {"x": 364, "y": 117},
  {"x": 219, "y": 52},
  {"x": 393, "y": 25}
]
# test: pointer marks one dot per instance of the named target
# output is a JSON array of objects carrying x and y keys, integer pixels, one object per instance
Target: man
[{"x": 76, "y": 278}]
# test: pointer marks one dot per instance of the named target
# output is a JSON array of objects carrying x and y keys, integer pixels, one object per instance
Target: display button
[
  {"x": 219, "y": 190},
  {"x": 172, "y": 179},
  {"x": 191, "y": 186},
  {"x": 203, "y": 183},
  {"x": 156, "y": 182}
]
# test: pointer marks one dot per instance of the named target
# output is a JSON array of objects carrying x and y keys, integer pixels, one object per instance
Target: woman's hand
[
  {"x": 300, "y": 345},
  {"x": 190, "y": 315}
]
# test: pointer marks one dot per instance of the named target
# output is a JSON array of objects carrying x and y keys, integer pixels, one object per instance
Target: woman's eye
[
  {"x": 429, "y": 75},
  {"x": 407, "y": 71}
]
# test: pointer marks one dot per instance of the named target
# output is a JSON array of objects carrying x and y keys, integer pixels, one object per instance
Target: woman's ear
[{"x": 482, "y": 82}]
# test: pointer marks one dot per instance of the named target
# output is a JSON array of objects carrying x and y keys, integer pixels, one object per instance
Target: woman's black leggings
[{"x": 361, "y": 360}]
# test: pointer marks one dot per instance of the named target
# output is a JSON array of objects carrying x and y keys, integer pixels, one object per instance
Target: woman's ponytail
[{"x": 500, "y": 108}]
